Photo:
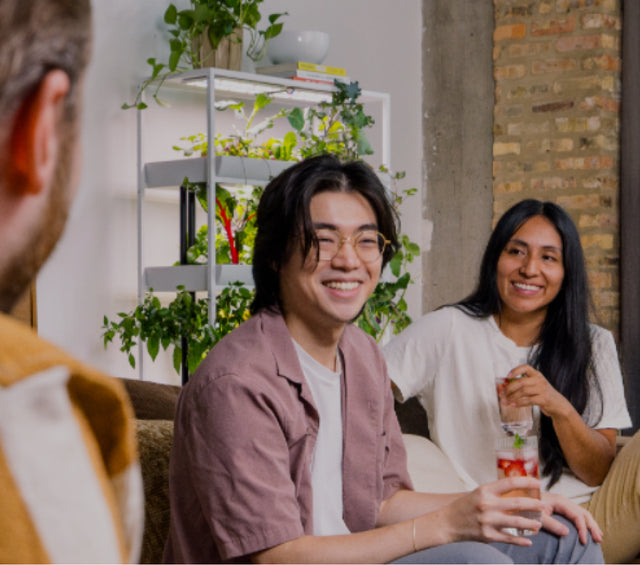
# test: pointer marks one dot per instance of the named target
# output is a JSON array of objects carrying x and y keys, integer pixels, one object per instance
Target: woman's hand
[
  {"x": 588, "y": 452},
  {"x": 583, "y": 520},
  {"x": 534, "y": 389}
]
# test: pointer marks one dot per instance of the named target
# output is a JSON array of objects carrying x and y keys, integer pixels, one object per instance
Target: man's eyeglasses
[{"x": 368, "y": 244}]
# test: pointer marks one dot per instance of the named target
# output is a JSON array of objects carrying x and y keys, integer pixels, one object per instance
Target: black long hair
[
  {"x": 564, "y": 353},
  {"x": 283, "y": 216}
]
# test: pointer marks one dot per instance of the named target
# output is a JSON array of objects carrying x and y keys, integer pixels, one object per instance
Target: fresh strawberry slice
[
  {"x": 503, "y": 463},
  {"x": 515, "y": 469}
]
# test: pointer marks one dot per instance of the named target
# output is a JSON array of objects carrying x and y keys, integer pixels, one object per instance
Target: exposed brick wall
[{"x": 556, "y": 123}]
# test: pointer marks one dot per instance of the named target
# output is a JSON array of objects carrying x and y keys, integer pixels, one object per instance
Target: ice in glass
[{"x": 515, "y": 419}]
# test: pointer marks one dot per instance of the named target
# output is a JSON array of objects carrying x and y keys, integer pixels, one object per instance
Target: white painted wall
[{"x": 92, "y": 272}]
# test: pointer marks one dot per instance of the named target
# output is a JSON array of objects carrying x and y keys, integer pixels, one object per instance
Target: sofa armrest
[{"x": 429, "y": 468}]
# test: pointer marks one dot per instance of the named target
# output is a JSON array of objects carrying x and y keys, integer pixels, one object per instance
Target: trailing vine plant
[
  {"x": 332, "y": 127},
  {"x": 215, "y": 19}
]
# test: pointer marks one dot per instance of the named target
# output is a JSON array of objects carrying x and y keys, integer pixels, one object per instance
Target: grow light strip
[{"x": 252, "y": 88}]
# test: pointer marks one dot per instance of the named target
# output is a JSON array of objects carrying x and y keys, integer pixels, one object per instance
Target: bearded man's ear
[{"x": 35, "y": 137}]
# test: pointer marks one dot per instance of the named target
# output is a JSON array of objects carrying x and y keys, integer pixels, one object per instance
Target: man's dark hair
[{"x": 284, "y": 218}]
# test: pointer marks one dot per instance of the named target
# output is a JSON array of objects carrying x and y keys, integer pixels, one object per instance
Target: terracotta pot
[{"x": 228, "y": 55}]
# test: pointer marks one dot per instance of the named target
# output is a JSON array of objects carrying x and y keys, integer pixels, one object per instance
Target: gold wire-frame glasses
[{"x": 369, "y": 245}]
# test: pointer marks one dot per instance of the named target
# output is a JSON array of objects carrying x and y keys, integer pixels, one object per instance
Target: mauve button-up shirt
[{"x": 245, "y": 430}]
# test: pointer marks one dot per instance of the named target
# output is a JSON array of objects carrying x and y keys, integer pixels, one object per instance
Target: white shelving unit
[{"x": 212, "y": 83}]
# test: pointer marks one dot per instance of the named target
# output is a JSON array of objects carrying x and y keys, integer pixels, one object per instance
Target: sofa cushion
[
  {"x": 430, "y": 469},
  {"x": 155, "y": 438}
]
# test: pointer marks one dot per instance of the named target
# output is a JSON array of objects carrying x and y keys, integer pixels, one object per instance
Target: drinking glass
[
  {"x": 518, "y": 457},
  {"x": 515, "y": 419}
]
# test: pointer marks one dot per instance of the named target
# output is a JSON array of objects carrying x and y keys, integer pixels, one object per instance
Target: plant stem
[{"x": 227, "y": 228}]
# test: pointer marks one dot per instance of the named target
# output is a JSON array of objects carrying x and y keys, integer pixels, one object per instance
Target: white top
[
  {"x": 326, "y": 463},
  {"x": 450, "y": 360}
]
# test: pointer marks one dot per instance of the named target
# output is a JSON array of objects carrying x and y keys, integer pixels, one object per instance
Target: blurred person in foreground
[{"x": 69, "y": 475}]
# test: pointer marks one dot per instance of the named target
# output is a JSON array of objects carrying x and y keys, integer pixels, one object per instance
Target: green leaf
[
  {"x": 370, "y": 316},
  {"x": 518, "y": 442},
  {"x": 153, "y": 346},
  {"x": 272, "y": 31},
  {"x": 132, "y": 361},
  {"x": 403, "y": 281},
  {"x": 156, "y": 70},
  {"x": 225, "y": 104},
  {"x": 395, "y": 264},
  {"x": 351, "y": 90},
  {"x": 296, "y": 119},
  {"x": 194, "y": 356},
  {"x": 364, "y": 147},
  {"x": 275, "y": 17},
  {"x": 171, "y": 15},
  {"x": 177, "y": 359},
  {"x": 185, "y": 19},
  {"x": 174, "y": 58},
  {"x": 413, "y": 248},
  {"x": 261, "y": 101},
  {"x": 201, "y": 13}
]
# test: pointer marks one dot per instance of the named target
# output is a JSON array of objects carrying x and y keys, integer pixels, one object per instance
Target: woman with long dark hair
[{"x": 528, "y": 316}]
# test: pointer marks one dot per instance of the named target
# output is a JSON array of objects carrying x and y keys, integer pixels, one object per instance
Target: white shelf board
[
  {"x": 230, "y": 170},
  {"x": 194, "y": 277}
]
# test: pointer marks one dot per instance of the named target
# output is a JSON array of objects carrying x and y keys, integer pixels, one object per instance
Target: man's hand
[{"x": 485, "y": 513}]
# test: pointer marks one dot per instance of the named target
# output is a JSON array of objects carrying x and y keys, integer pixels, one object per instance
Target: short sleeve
[
  {"x": 236, "y": 451},
  {"x": 395, "y": 474},
  {"x": 412, "y": 356},
  {"x": 609, "y": 376}
]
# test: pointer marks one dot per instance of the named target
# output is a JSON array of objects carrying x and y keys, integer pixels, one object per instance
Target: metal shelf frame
[{"x": 214, "y": 169}]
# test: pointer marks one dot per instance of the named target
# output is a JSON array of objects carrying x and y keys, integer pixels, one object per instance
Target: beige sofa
[{"x": 154, "y": 406}]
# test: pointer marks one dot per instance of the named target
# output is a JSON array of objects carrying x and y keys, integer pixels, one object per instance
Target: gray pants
[{"x": 546, "y": 548}]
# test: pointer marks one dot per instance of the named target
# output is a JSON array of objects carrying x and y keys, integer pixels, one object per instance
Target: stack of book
[{"x": 309, "y": 72}]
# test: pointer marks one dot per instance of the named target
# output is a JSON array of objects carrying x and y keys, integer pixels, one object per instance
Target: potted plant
[
  {"x": 336, "y": 127},
  {"x": 198, "y": 34}
]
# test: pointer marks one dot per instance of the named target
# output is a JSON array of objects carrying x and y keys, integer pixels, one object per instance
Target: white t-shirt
[
  {"x": 326, "y": 463},
  {"x": 450, "y": 360}
]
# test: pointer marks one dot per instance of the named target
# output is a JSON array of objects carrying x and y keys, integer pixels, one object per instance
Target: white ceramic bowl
[{"x": 293, "y": 45}]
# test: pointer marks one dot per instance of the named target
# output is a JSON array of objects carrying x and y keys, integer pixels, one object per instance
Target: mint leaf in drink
[
  {"x": 510, "y": 380},
  {"x": 518, "y": 442}
]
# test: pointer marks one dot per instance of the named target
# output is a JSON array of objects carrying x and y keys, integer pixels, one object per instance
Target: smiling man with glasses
[{"x": 286, "y": 445}]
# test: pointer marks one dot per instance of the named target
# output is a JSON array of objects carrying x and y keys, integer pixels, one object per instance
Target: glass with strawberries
[
  {"x": 517, "y": 456},
  {"x": 515, "y": 419}
]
